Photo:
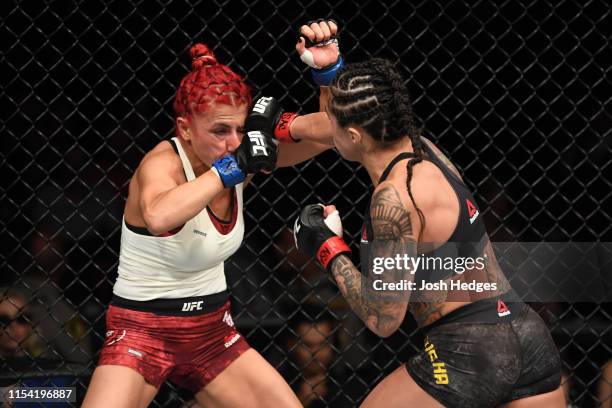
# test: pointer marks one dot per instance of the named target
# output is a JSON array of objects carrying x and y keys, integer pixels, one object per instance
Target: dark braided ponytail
[{"x": 372, "y": 95}]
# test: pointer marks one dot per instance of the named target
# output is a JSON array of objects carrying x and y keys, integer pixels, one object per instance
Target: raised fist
[{"x": 318, "y": 44}]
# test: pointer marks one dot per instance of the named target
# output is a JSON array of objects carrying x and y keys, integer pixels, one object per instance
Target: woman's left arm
[{"x": 314, "y": 133}]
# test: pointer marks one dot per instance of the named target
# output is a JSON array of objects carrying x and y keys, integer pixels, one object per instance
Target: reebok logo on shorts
[
  {"x": 231, "y": 339},
  {"x": 227, "y": 319}
]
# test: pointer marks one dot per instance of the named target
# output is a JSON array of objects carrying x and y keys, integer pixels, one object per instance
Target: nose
[{"x": 234, "y": 141}]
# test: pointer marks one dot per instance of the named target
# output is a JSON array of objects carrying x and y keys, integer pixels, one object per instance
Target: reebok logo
[
  {"x": 227, "y": 319},
  {"x": 198, "y": 232},
  {"x": 261, "y": 104},
  {"x": 230, "y": 340},
  {"x": 191, "y": 306},
  {"x": 257, "y": 139},
  {"x": 472, "y": 211},
  {"x": 502, "y": 309},
  {"x": 364, "y": 236}
]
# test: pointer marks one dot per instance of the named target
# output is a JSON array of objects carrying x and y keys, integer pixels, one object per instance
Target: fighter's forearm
[
  {"x": 381, "y": 311},
  {"x": 313, "y": 127}
]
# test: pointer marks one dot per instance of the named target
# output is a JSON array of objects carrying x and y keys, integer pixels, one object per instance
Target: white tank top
[{"x": 186, "y": 264}]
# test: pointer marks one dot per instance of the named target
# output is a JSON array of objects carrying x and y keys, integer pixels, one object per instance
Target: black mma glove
[
  {"x": 267, "y": 115},
  {"x": 257, "y": 152},
  {"x": 313, "y": 235}
]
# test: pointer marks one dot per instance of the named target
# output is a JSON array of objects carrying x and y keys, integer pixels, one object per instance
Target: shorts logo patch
[
  {"x": 231, "y": 339},
  {"x": 502, "y": 309},
  {"x": 135, "y": 353},
  {"x": 439, "y": 371},
  {"x": 227, "y": 319},
  {"x": 113, "y": 337},
  {"x": 191, "y": 306}
]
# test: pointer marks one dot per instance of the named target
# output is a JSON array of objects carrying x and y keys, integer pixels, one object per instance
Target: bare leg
[
  {"x": 118, "y": 386},
  {"x": 249, "y": 382},
  {"x": 399, "y": 390},
  {"x": 553, "y": 399}
]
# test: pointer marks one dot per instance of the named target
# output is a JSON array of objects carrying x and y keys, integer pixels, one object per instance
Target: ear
[
  {"x": 183, "y": 126},
  {"x": 355, "y": 134}
]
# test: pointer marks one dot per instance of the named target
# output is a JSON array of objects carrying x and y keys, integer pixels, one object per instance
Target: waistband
[
  {"x": 499, "y": 309},
  {"x": 189, "y": 306}
]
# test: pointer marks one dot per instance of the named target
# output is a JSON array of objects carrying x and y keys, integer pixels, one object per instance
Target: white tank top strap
[{"x": 186, "y": 163}]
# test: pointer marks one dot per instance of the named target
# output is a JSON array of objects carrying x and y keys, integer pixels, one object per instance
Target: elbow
[
  {"x": 155, "y": 224},
  {"x": 388, "y": 331},
  {"x": 387, "y": 320},
  {"x": 385, "y": 330}
]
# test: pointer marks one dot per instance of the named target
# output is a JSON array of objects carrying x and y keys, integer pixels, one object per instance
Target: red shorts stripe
[{"x": 189, "y": 351}]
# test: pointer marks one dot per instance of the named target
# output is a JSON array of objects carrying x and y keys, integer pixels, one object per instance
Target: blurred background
[{"x": 518, "y": 94}]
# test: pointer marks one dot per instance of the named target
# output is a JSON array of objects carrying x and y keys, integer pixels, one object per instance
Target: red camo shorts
[{"x": 190, "y": 351}]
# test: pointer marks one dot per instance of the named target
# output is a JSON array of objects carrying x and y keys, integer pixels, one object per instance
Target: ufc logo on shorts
[
  {"x": 257, "y": 139},
  {"x": 261, "y": 104},
  {"x": 191, "y": 306}
]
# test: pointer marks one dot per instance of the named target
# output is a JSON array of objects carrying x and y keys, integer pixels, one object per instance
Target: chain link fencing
[{"x": 517, "y": 93}]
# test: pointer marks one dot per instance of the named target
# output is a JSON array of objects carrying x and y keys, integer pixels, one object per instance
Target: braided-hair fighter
[{"x": 482, "y": 348}]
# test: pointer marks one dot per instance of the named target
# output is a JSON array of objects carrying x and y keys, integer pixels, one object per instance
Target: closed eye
[
  {"x": 220, "y": 131},
  {"x": 225, "y": 131}
]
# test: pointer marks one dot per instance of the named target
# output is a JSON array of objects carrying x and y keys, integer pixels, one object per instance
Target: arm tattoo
[
  {"x": 494, "y": 271},
  {"x": 390, "y": 220},
  {"x": 427, "y": 312},
  {"x": 449, "y": 164},
  {"x": 443, "y": 158},
  {"x": 393, "y": 234}
]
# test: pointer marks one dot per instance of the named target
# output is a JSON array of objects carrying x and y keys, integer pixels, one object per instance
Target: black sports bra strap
[
  {"x": 441, "y": 165},
  {"x": 174, "y": 146},
  {"x": 399, "y": 157}
]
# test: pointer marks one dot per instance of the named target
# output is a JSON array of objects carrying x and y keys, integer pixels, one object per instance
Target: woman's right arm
[
  {"x": 395, "y": 234},
  {"x": 166, "y": 204}
]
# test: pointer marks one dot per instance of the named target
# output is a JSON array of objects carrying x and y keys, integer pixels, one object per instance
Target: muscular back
[{"x": 439, "y": 203}]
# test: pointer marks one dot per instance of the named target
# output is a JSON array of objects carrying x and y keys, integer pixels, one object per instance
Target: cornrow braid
[
  {"x": 372, "y": 95},
  {"x": 417, "y": 145}
]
